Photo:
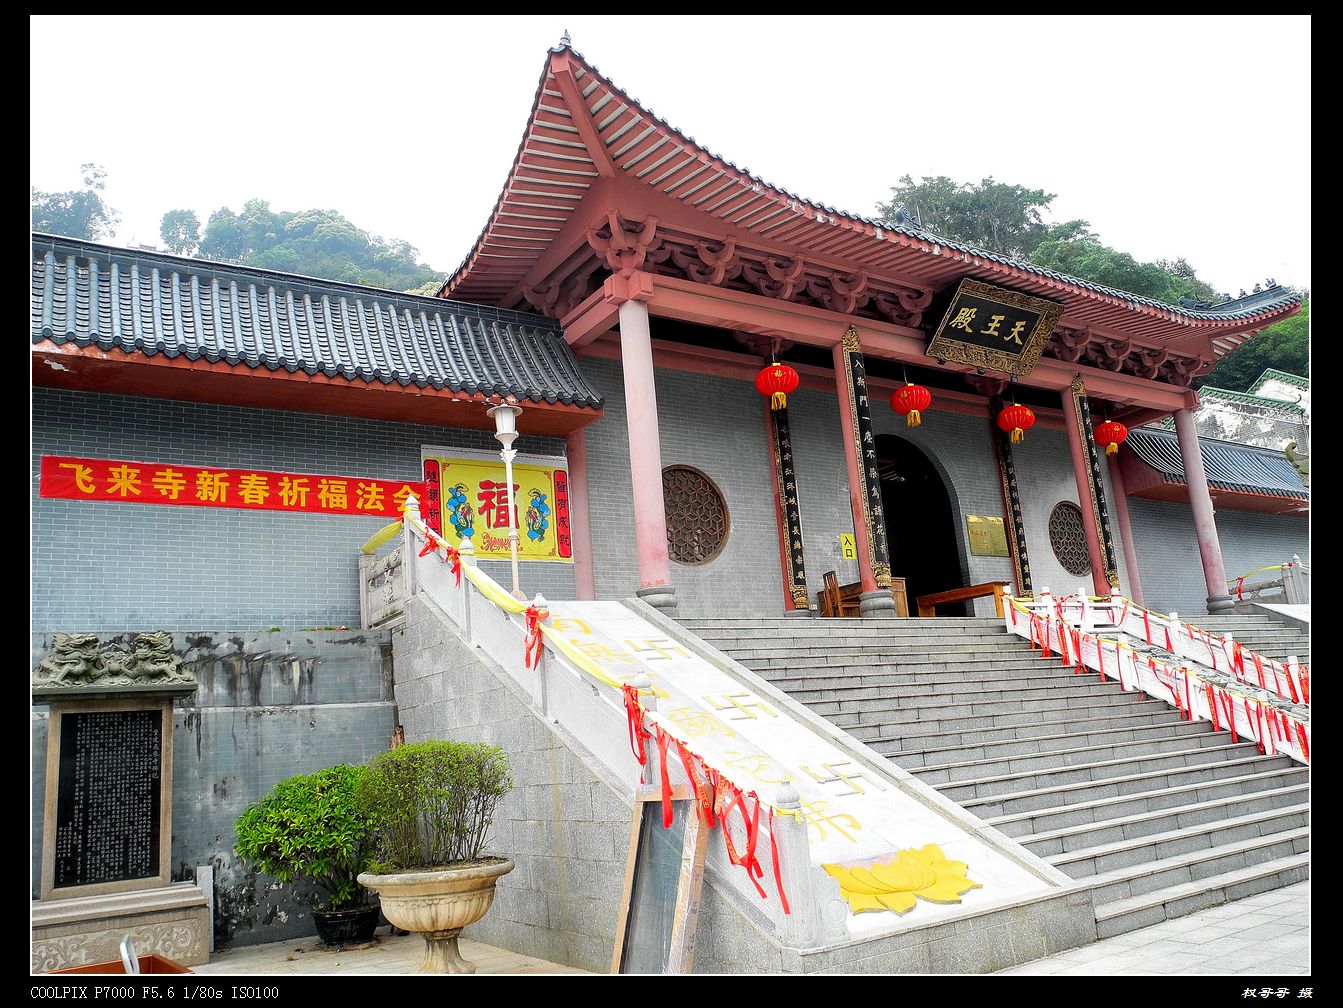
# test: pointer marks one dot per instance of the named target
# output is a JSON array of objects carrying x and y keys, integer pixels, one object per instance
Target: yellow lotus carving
[{"x": 892, "y": 883}]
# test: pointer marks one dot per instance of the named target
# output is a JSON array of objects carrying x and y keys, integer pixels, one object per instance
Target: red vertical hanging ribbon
[
  {"x": 1212, "y": 708},
  {"x": 1303, "y": 671},
  {"x": 1291, "y": 683},
  {"x": 634, "y": 714},
  {"x": 693, "y": 764},
  {"x": 662, "y": 738},
  {"x": 1168, "y": 640},
  {"x": 1146, "y": 626},
  {"x": 778, "y": 871},
  {"x": 430, "y": 544},
  {"x": 1259, "y": 669},
  {"x": 1301, "y": 737},
  {"x": 1229, "y": 709},
  {"x": 1123, "y": 615},
  {"x": 1256, "y": 727},
  {"x": 450, "y": 555},
  {"x": 1266, "y": 739},
  {"x": 1011, "y": 615},
  {"x": 532, "y": 619},
  {"x": 1063, "y": 644}
]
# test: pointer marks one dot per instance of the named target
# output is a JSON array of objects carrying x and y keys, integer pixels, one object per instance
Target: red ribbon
[
  {"x": 1291, "y": 684},
  {"x": 1259, "y": 669},
  {"x": 662, "y": 738},
  {"x": 1303, "y": 671},
  {"x": 1229, "y": 709},
  {"x": 1256, "y": 726},
  {"x": 1240, "y": 589},
  {"x": 534, "y": 616},
  {"x": 430, "y": 544},
  {"x": 1212, "y": 707},
  {"x": 634, "y": 713},
  {"x": 1146, "y": 626},
  {"x": 1301, "y": 737},
  {"x": 450, "y": 555},
  {"x": 690, "y": 761}
]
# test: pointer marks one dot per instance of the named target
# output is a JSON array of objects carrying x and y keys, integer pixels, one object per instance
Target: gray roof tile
[
  {"x": 1228, "y": 466},
  {"x": 152, "y": 303}
]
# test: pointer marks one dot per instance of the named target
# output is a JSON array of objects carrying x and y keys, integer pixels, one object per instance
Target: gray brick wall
[
  {"x": 101, "y": 566},
  {"x": 1172, "y": 573},
  {"x": 717, "y": 426}
]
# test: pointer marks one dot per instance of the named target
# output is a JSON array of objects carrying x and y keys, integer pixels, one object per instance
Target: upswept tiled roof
[
  {"x": 1248, "y": 399},
  {"x": 1228, "y": 466},
  {"x": 554, "y": 168},
  {"x": 151, "y": 303},
  {"x": 1286, "y": 377}
]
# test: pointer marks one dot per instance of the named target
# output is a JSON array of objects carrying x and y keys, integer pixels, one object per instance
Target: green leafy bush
[
  {"x": 312, "y": 826},
  {"x": 433, "y": 802}
]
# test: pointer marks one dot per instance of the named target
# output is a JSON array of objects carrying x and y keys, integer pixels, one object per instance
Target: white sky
[{"x": 1172, "y": 135}]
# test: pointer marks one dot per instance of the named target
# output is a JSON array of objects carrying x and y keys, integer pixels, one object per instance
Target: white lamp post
[{"x": 506, "y": 432}]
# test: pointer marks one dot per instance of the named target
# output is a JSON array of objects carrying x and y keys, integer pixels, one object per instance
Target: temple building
[{"x": 213, "y": 443}]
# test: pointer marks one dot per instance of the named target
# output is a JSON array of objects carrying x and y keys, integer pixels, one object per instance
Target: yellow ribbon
[{"x": 380, "y": 538}]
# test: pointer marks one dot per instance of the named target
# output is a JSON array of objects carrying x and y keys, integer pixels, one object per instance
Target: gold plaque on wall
[{"x": 987, "y": 536}]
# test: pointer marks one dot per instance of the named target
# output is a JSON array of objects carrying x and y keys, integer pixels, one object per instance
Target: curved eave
[{"x": 556, "y": 164}]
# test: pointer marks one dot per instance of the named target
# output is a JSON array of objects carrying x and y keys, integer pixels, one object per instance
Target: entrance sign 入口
[{"x": 995, "y": 328}]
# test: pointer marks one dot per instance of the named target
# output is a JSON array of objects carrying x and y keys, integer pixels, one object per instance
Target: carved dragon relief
[{"x": 80, "y": 661}]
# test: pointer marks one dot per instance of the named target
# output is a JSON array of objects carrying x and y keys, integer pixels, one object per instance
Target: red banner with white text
[{"x": 111, "y": 480}]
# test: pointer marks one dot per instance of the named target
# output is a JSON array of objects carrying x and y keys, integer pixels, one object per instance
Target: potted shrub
[
  {"x": 433, "y": 803},
  {"x": 313, "y": 826}
]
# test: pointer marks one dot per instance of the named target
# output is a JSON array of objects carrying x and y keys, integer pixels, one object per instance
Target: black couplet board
[{"x": 107, "y": 799}]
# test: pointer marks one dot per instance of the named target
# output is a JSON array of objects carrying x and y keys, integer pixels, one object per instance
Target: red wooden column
[
  {"x": 1126, "y": 531},
  {"x": 1077, "y": 448},
  {"x": 1200, "y": 503},
  {"x": 632, "y": 291},
  {"x": 580, "y": 518}
]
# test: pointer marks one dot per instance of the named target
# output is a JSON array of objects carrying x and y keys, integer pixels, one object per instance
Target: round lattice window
[
  {"x": 697, "y": 521},
  {"x": 1068, "y": 537}
]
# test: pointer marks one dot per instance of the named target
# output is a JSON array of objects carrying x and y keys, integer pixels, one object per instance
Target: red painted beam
[{"x": 88, "y": 369}]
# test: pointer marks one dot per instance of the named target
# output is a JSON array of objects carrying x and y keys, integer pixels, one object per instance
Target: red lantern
[
  {"x": 776, "y": 381},
  {"x": 910, "y": 402},
  {"x": 1111, "y": 434},
  {"x": 1016, "y": 420}
]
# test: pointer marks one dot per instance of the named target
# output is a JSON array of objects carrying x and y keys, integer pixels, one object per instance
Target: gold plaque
[{"x": 987, "y": 536}]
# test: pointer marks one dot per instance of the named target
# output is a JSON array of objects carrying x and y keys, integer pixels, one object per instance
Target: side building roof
[{"x": 149, "y": 304}]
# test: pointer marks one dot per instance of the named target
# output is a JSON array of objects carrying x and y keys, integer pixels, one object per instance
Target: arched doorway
[{"x": 922, "y": 531}]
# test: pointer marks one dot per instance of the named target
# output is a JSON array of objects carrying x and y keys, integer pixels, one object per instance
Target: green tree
[
  {"x": 225, "y": 240},
  {"x": 1284, "y": 345},
  {"x": 80, "y": 213},
  {"x": 180, "y": 231},
  {"x": 1088, "y": 259},
  {"x": 318, "y": 243},
  {"x": 990, "y": 215}
]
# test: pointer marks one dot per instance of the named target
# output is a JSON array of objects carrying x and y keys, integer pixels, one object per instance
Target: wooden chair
[{"x": 828, "y": 597}]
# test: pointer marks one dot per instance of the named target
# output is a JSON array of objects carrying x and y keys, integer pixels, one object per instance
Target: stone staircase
[
  {"x": 1260, "y": 632},
  {"x": 1163, "y": 817}
]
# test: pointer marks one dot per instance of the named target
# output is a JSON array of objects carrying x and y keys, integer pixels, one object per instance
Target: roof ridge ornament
[{"x": 565, "y": 41}]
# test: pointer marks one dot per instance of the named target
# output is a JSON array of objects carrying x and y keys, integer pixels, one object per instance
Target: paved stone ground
[
  {"x": 385, "y": 956},
  {"x": 1264, "y": 935}
]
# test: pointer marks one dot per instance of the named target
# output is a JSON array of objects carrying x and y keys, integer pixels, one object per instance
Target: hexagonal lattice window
[
  {"x": 697, "y": 520},
  {"x": 1068, "y": 537}
]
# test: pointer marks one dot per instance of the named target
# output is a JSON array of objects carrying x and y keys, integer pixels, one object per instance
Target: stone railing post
[
  {"x": 366, "y": 562},
  {"x": 408, "y": 551},
  {"x": 1177, "y": 636},
  {"x": 467, "y": 553},
  {"x": 813, "y": 920}
]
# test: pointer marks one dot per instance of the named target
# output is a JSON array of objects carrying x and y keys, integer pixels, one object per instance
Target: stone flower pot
[{"x": 438, "y": 904}]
